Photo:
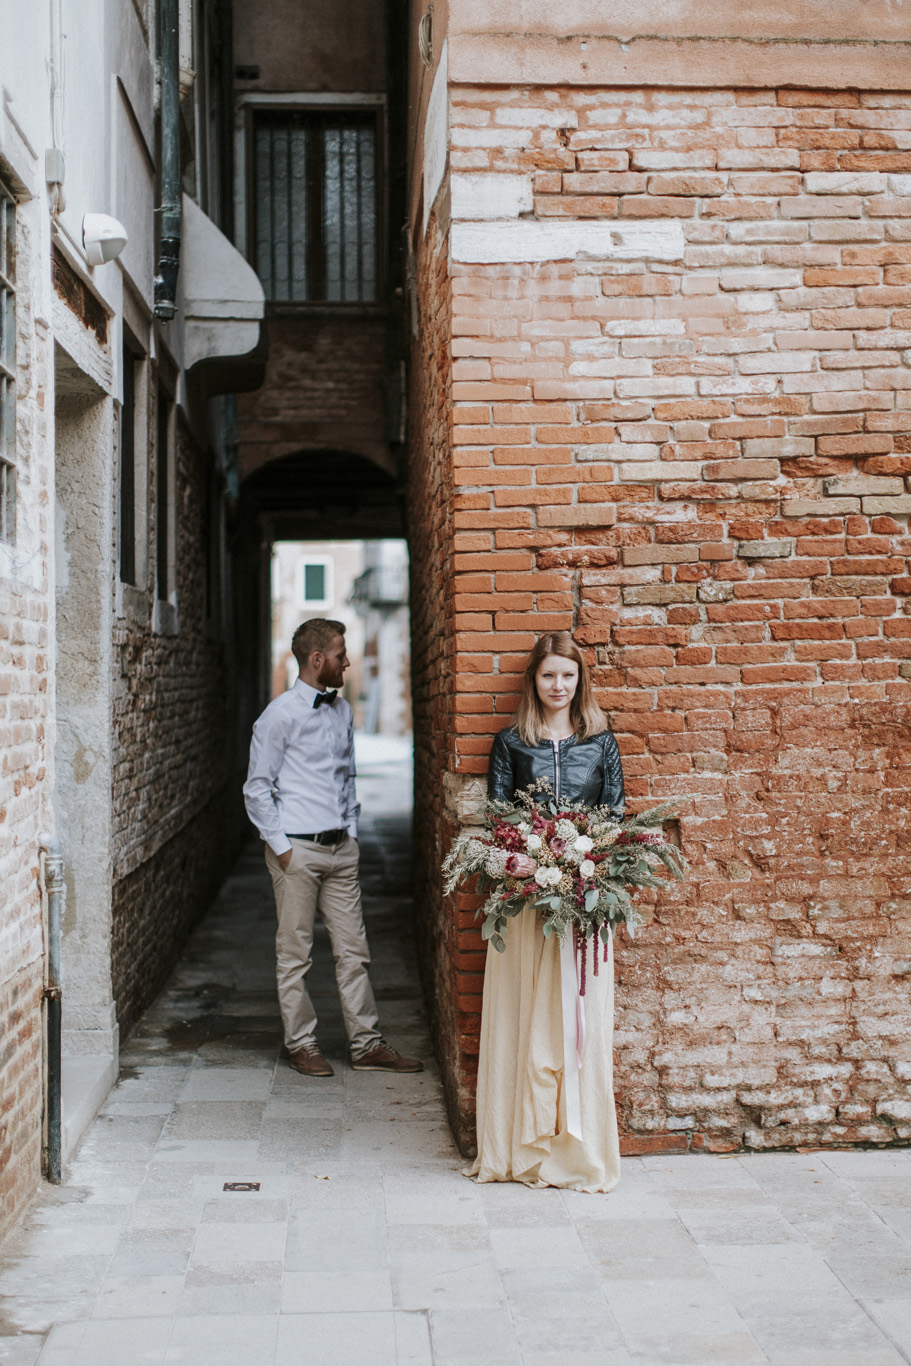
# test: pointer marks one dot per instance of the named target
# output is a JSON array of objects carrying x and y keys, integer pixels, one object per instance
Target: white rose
[
  {"x": 553, "y": 876},
  {"x": 586, "y": 867},
  {"x": 522, "y": 827},
  {"x": 583, "y": 844},
  {"x": 542, "y": 876},
  {"x": 533, "y": 842}
]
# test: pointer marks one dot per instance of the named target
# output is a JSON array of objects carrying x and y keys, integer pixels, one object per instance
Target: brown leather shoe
[
  {"x": 385, "y": 1059},
  {"x": 310, "y": 1063}
]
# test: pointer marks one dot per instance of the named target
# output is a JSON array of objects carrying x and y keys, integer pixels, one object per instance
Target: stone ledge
[
  {"x": 504, "y": 242},
  {"x": 707, "y": 63}
]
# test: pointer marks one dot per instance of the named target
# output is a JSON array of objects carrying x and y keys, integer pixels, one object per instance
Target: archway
[{"x": 308, "y": 496}]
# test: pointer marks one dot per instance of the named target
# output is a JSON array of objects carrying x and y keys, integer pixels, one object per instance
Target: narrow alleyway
[{"x": 364, "y": 1244}]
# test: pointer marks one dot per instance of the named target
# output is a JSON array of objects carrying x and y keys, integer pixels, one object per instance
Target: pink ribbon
[{"x": 573, "y": 1011}]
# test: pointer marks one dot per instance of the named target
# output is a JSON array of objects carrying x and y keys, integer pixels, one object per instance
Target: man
[{"x": 300, "y": 795}]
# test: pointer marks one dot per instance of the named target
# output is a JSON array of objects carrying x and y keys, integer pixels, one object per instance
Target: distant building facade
[
  {"x": 315, "y": 579},
  {"x": 363, "y": 584}
]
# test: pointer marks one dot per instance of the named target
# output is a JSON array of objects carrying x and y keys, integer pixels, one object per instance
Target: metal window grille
[
  {"x": 7, "y": 366},
  {"x": 315, "y": 206}
]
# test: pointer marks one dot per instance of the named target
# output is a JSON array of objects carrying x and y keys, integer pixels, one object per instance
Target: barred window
[
  {"x": 7, "y": 365},
  {"x": 315, "y": 206}
]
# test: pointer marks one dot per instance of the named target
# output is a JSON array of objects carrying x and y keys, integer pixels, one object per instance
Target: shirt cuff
[
  {"x": 279, "y": 845},
  {"x": 352, "y": 831}
]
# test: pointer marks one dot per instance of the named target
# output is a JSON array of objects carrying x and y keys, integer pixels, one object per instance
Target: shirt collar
[{"x": 306, "y": 692}]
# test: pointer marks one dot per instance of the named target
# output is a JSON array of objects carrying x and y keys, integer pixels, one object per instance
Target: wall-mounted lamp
[{"x": 103, "y": 238}]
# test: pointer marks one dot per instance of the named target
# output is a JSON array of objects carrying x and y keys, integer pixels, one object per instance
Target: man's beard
[{"x": 330, "y": 678}]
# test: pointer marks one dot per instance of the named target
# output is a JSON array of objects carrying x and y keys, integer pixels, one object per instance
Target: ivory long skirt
[{"x": 521, "y": 1104}]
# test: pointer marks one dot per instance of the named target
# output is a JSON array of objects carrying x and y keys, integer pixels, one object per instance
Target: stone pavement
[{"x": 364, "y": 1246}]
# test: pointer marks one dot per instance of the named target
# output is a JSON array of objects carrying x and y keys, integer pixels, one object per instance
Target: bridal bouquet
[{"x": 574, "y": 863}]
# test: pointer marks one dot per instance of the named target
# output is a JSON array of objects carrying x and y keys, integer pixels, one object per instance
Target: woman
[{"x": 560, "y": 733}]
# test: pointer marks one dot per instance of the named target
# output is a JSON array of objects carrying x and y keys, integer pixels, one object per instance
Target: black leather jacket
[{"x": 587, "y": 771}]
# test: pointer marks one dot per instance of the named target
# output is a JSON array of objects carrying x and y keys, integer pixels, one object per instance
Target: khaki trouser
[{"x": 323, "y": 878}]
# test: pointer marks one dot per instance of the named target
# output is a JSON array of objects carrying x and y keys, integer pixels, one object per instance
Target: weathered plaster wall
[{"x": 84, "y": 516}]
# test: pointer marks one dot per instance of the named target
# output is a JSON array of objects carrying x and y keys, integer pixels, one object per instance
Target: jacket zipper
[{"x": 556, "y": 745}]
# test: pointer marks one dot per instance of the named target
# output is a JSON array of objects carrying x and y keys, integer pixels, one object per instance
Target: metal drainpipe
[
  {"x": 55, "y": 888},
  {"x": 169, "y": 244}
]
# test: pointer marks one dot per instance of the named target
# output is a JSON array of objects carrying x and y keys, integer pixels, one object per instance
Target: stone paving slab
[{"x": 365, "y": 1244}]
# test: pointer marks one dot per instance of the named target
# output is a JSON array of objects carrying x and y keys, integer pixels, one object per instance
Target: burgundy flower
[
  {"x": 507, "y": 836},
  {"x": 520, "y": 865}
]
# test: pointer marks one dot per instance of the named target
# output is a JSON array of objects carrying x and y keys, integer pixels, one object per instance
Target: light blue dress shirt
[{"x": 301, "y": 775}]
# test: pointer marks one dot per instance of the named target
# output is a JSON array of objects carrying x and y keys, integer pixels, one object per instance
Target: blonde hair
[{"x": 586, "y": 716}]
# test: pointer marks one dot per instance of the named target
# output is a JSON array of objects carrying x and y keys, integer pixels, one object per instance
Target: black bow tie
[{"x": 327, "y": 697}]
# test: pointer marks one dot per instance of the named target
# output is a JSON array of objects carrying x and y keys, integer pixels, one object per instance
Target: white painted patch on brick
[
  {"x": 502, "y": 243},
  {"x": 635, "y": 450},
  {"x": 844, "y": 182},
  {"x": 900, "y": 184},
  {"x": 436, "y": 134},
  {"x": 536, "y": 117},
  {"x": 490, "y": 195},
  {"x": 828, "y": 507},
  {"x": 854, "y": 485},
  {"x": 653, "y": 471},
  {"x": 898, "y": 506}
]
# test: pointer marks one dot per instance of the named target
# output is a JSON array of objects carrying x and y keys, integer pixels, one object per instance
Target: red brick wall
[
  {"x": 703, "y": 467},
  {"x": 447, "y": 941}
]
